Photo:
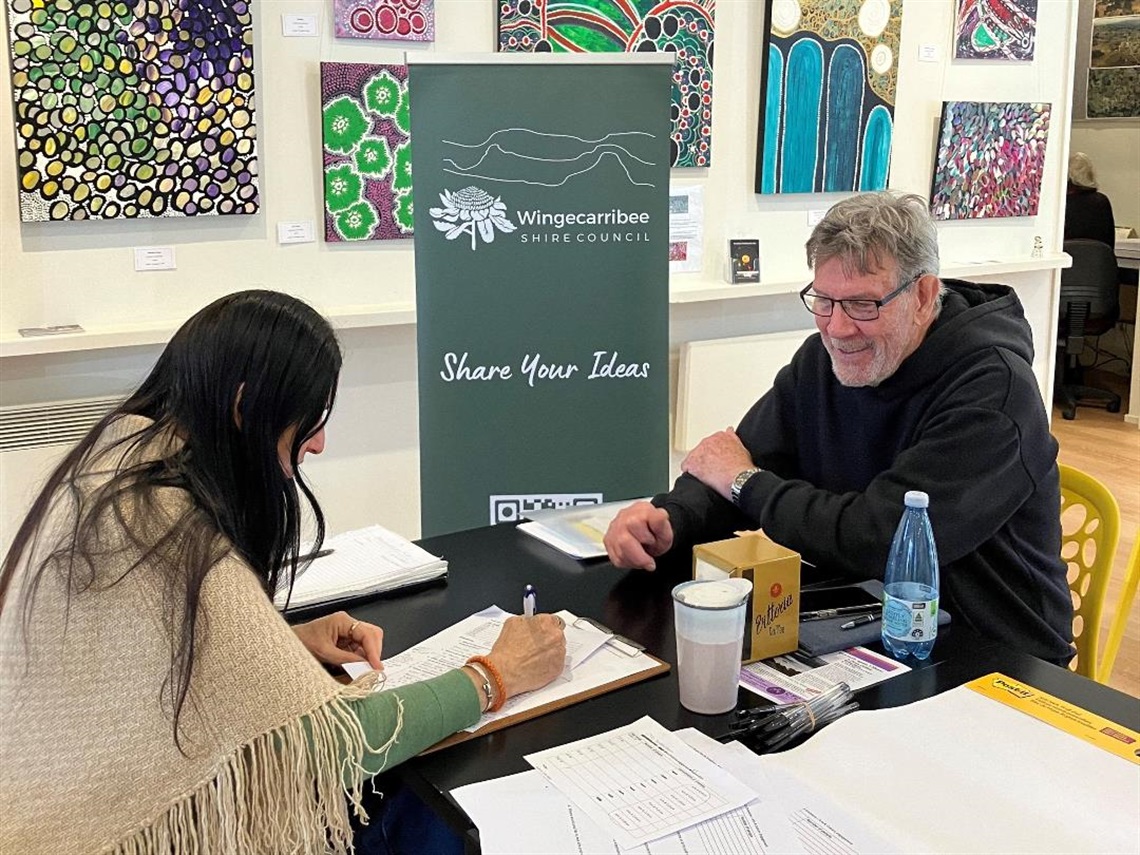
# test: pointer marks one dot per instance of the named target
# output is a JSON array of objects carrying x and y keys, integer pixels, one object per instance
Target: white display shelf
[
  {"x": 699, "y": 291},
  {"x": 136, "y": 335},
  {"x": 397, "y": 314}
]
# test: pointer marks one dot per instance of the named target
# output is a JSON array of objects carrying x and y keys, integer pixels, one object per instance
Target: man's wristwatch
[{"x": 739, "y": 481}]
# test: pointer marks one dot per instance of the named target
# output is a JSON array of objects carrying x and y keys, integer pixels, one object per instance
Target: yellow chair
[
  {"x": 1123, "y": 606},
  {"x": 1090, "y": 528}
]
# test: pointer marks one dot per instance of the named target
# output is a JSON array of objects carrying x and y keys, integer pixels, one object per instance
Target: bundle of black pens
[{"x": 770, "y": 728}]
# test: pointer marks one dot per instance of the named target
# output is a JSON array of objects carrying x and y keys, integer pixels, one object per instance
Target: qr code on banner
[{"x": 516, "y": 507}]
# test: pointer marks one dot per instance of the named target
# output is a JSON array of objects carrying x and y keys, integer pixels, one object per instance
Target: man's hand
[
  {"x": 717, "y": 460},
  {"x": 336, "y": 639},
  {"x": 637, "y": 535}
]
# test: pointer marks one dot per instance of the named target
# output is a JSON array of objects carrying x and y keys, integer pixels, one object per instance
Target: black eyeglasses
[{"x": 857, "y": 310}]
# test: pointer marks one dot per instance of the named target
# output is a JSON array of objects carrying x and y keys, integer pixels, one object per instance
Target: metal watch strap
[{"x": 739, "y": 481}]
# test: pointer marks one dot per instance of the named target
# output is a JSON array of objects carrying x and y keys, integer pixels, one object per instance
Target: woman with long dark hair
[{"x": 151, "y": 697}]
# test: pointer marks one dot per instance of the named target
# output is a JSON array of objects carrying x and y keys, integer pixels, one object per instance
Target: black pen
[
  {"x": 758, "y": 723},
  {"x": 313, "y": 556},
  {"x": 859, "y": 621},
  {"x": 824, "y": 614}
]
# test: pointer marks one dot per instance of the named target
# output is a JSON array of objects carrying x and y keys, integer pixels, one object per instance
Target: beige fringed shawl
[{"x": 87, "y": 757}]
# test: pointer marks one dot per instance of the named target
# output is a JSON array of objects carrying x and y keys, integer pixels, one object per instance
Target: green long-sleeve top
[{"x": 432, "y": 710}]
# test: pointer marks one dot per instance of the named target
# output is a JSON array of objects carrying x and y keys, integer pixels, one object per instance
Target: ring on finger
[{"x": 352, "y": 627}]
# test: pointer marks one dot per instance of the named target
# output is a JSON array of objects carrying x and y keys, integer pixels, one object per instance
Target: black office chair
[{"x": 1090, "y": 306}]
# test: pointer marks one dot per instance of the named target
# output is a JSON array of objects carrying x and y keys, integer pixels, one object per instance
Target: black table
[{"x": 491, "y": 565}]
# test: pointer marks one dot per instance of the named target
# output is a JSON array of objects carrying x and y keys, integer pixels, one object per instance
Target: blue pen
[{"x": 530, "y": 600}]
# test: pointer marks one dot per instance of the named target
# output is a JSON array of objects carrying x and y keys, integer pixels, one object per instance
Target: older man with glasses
[{"x": 913, "y": 383}]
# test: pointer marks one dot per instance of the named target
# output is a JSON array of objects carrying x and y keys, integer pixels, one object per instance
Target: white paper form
[
  {"x": 590, "y": 662},
  {"x": 824, "y": 828},
  {"x": 640, "y": 782},
  {"x": 960, "y": 772},
  {"x": 525, "y": 813}
]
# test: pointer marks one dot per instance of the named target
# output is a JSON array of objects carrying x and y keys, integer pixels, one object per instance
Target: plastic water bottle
[{"x": 910, "y": 584}]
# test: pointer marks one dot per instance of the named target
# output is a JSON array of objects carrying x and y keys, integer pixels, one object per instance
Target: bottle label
[{"x": 910, "y": 620}]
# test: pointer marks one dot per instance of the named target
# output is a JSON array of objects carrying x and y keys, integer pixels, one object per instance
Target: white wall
[{"x": 82, "y": 272}]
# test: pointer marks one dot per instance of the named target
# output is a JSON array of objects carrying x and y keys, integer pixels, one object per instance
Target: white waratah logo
[{"x": 471, "y": 211}]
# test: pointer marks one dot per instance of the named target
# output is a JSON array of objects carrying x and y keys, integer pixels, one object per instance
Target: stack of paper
[
  {"x": 359, "y": 563},
  {"x": 688, "y": 794},
  {"x": 1030, "y": 774}
]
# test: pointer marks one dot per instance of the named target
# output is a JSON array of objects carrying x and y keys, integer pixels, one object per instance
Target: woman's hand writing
[{"x": 529, "y": 652}]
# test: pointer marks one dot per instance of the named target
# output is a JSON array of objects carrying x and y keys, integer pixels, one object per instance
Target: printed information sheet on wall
[{"x": 686, "y": 228}]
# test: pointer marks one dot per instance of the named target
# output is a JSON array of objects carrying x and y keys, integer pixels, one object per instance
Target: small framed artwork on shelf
[{"x": 743, "y": 266}]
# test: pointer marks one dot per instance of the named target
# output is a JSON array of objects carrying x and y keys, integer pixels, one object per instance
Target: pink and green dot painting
[{"x": 367, "y": 153}]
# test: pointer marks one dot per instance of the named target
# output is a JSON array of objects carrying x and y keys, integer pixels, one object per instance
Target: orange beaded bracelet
[{"x": 500, "y": 689}]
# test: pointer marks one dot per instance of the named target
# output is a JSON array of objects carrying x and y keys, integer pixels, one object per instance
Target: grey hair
[
  {"x": 1081, "y": 172},
  {"x": 869, "y": 230}
]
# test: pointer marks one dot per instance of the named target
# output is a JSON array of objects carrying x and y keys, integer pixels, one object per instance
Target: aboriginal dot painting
[
  {"x": 133, "y": 109},
  {"x": 681, "y": 27},
  {"x": 990, "y": 160},
  {"x": 996, "y": 29},
  {"x": 367, "y": 152},
  {"x": 406, "y": 20},
  {"x": 827, "y": 96}
]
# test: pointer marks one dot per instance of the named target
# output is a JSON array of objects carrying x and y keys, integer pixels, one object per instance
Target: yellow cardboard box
[{"x": 774, "y": 571}]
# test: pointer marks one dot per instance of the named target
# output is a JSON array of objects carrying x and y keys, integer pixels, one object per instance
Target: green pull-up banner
[{"x": 542, "y": 282}]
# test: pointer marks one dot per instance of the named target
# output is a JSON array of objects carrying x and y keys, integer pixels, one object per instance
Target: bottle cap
[{"x": 916, "y": 499}]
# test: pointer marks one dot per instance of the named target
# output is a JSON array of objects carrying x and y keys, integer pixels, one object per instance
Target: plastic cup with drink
[{"x": 709, "y": 620}]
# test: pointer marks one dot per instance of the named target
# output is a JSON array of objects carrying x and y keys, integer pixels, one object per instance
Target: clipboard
[{"x": 659, "y": 667}]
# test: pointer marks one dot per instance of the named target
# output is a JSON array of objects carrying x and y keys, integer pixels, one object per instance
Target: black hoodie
[{"x": 961, "y": 419}]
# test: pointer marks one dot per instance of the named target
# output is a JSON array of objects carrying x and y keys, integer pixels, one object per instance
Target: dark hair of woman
[{"x": 241, "y": 374}]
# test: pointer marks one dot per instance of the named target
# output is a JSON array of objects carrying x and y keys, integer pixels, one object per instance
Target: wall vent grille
[{"x": 62, "y": 423}]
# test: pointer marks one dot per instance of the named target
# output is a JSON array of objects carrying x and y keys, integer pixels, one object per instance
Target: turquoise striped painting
[{"x": 826, "y": 119}]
